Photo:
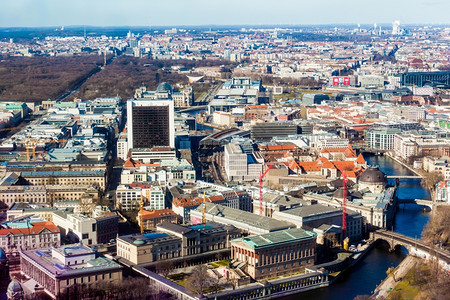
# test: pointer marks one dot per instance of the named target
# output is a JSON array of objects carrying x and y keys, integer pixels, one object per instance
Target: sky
[{"x": 37, "y": 13}]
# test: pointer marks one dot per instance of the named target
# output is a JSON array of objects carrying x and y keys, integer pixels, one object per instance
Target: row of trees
[{"x": 128, "y": 288}]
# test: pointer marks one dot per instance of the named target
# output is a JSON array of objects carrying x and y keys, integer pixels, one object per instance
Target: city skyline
[{"x": 27, "y": 13}]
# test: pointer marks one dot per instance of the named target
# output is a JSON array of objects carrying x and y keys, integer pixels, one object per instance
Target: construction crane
[
  {"x": 260, "y": 189},
  {"x": 204, "y": 211},
  {"x": 344, "y": 204},
  {"x": 31, "y": 145},
  {"x": 141, "y": 214}
]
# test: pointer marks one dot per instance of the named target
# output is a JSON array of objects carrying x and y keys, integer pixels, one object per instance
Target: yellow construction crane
[{"x": 31, "y": 145}]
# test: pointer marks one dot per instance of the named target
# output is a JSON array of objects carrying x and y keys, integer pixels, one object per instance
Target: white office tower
[{"x": 396, "y": 27}]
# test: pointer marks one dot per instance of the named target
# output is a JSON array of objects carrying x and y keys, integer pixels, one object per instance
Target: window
[{"x": 85, "y": 236}]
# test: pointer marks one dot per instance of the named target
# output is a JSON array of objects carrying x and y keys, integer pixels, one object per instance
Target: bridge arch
[
  {"x": 414, "y": 246},
  {"x": 391, "y": 245}
]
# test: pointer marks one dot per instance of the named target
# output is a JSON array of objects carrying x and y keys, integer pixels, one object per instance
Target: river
[{"x": 370, "y": 271}]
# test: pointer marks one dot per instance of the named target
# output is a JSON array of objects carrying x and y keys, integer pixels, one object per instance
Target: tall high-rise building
[
  {"x": 151, "y": 121},
  {"x": 396, "y": 30}
]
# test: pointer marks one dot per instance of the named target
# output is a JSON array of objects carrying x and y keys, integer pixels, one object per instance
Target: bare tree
[
  {"x": 437, "y": 229},
  {"x": 128, "y": 288},
  {"x": 164, "y": 267},
  {"x": 233, "y": 281},
  {"x": 215, "y": 281},
  {"x": 396, "y": 295},
  {"x": 362, "y": 297},
  {"x": 391, "y": 271},
  {"x": 430, "y": 180},
  {"x": 199, "y": 279},
  {"x": 219, "y": 256}
]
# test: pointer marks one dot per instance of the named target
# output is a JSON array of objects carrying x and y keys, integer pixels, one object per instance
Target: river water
[{"x": 370, "y": 271}]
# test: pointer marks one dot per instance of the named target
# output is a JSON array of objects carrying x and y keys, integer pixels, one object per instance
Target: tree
[
  {"x": 362, "y": 297},
  {"x": 128, "y": 288},
  {"x": 164, "y": 267},
  {"x": 199, "y": 280},
  {"x": 395, "y": 295},
  {"x": 430, "y": 180},
  {"x": 391, "y": 271},
  {"x": 437, "y": 229},
  {"x": 231, "y": 280},
  {"x": 219, "y": 256}
]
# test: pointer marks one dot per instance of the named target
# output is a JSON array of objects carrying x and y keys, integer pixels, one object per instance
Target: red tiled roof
[
  {"x": 309, "y": 166},
  {"x": 187, "y": 202},
  {"x": 360, "y": 159},
  {"x": 141, "y": 185},
  {"x": 35, "y": 229},
  {"x": 156, "y": 213},
  {"x": 277, "y": 147}
]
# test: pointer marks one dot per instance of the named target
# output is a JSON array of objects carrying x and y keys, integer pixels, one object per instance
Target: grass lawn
[
  {"x": 406, "y": 290},
  {"x": 220, "y": 263},
  {"x": 181, "y": 282},
  {"x": 200, "y": 96},
  {"x": 292, "y": 274},
  {"x": 177, "y": 277},
  {"x": 405, "y": 287}
]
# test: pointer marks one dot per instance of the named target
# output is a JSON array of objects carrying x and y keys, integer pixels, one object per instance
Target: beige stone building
[
  {"x": 94, "y": 177},
  {"x": 57, "y": 269},
  {"x": 274, "y": 254},
  {"x": 149, "y": 247},
  {"x": 46, "y": 193}
]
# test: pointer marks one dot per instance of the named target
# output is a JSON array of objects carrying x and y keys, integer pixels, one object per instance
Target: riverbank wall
[{"x": 388, "y": 154}]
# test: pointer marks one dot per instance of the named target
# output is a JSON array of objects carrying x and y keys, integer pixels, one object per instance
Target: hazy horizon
[{"x": 176, "y": 13}]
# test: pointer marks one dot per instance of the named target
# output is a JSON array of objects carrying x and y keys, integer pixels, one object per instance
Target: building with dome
[
  {"x": 372, "y": 197},
  {"x": 14, "y": 291},
  {"x": 150, "y": 117},
  {"x": 372, "y": 179}
]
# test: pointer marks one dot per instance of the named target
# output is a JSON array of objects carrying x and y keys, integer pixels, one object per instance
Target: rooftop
[
  {"x": 277, "y": 238},
  {"x": 31, "y": 229},
  {"x": 246, "y": 218},
  {"x": 62, "y": 173},
  {"x": 311, "y": 210},
  {"x": 156, "y": 213},
  {"x": 57, "y": 268},
  {"x": 147, "y": 238}
]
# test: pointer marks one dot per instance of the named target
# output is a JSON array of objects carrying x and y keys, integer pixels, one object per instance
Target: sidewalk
[{"x": 383, "y": 290}]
